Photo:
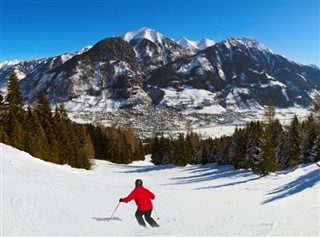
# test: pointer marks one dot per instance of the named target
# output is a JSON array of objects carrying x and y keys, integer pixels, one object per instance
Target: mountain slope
[
  {"x": 40, "y": 198},
  {"x": 109, "y": 69},
  {"x": 34, "y": 68},
  {"x": 144, "y": 67},
  {"x": 243, "y": 73}
]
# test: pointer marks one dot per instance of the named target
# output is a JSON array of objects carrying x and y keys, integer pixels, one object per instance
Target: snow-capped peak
[
  {"x": 83, "y": 50},
  {"x": 205, "y": 43},
  {"x": 252, "y": 43},
  {"x": 144, "y": 33},
  {"x": 10, "y": 63},
  {"x": 194, "y": 46},
  {"x": 188, "y": 44}
]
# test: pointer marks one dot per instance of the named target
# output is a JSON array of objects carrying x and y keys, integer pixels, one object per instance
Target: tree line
[
  {"x": 52, "y": 136},
  {"x": 263, "y": 147}
]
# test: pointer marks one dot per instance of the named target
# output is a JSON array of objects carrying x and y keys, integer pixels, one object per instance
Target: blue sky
[{"x": 35, "y": 28}]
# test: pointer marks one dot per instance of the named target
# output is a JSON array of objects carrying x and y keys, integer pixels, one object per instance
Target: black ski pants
[{"x": 147, "y": 216}]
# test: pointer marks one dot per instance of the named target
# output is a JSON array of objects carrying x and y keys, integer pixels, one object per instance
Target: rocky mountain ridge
[{"x": 145, "y": 68}]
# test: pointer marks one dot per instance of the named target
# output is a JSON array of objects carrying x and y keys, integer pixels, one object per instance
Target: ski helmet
[{"x": 138, "y": 182}]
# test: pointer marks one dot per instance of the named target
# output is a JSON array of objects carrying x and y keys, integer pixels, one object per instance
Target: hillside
[{"x": 43, "y": 199}]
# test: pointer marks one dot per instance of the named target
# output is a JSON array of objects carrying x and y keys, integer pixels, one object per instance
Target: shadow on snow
[
  {"x": 143, "y": 169},
  {"x": 303, "y": 182},
  {"x": 229, "y": 184},
  {"x": 210, "y": 172},
  {"x": 107, "y": 218}
]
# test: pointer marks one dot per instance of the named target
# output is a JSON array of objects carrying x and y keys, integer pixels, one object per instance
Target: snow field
[{"x": 43, "y": 199}]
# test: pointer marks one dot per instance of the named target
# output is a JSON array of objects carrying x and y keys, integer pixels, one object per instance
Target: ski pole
[
  {"x": 114, "y": 212},
  {"x": 156, "y": 212}
]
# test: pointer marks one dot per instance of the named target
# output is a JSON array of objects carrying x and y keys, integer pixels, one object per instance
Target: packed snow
[{"x": 44, "y": 199}]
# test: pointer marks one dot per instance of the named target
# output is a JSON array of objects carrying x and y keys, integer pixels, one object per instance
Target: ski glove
[{"x": 121, "y": 200}]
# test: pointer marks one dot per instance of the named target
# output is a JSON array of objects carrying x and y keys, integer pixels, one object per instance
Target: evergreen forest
[{"x": 262, "y": 146}]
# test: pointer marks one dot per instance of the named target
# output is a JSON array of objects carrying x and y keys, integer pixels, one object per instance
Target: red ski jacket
[{"x": 142, "y": 197}]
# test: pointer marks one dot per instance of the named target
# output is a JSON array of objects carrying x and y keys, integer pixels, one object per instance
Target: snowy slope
[{"x": 43, "y": 199}]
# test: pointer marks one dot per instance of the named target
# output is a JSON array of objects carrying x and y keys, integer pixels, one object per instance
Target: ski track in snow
[{"x": 43, "y": 199}]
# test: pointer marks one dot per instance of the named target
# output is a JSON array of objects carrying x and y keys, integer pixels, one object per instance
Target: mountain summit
[
  {"x": 144, "y": 33},
  {"x": 153, "y": 49},
  {"x": 194, "y": 46},
  {"x": 146, "y": 68}
]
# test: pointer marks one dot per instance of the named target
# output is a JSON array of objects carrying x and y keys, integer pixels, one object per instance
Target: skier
[{"x": 142, "y": 197}]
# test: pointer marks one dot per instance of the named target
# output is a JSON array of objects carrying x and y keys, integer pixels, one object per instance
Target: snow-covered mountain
[
  {"x": 144, "y": 67},
  {"x": 109, "y": 69},
  {"x": 33, "y": 68},
  {"x": 242, "y": 73},
  {"x": 153, "y": 49},
  {"x": 194, "y": 46},
  {"x": 43, "y": 199}
]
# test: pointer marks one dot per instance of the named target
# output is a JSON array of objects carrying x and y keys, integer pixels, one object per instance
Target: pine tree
[
  {"x": 221, "y": 150},
  {"x": 42, "y": 110},
  {"x": 35, "y": 140},
  {"x": 194, "y": 146},
  {"x": 266, "y": 159},
  {"x": 288, "y": 146},
  {"x": 275, "y": 129},
  {"x": 155, "y": 156},
  {"x": 207, "y": 154},
  {"x": 281, "y": 153},
  {"x": 16, "y": 115},
  {"x": 253, "y": 149},
  {"x": 63, "y": 136},
  {"x": 4, "y": 138},
  {"x": 237, "y": 149},
  {"x": 308, "y": 139},
  {"x": 181, "y": 153},
  {"x": 15, "y": 97},
  {"x": 292, "y": 145},
  {"x": 81, "y": 154},
  {"x": 315, "y": 151}
]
